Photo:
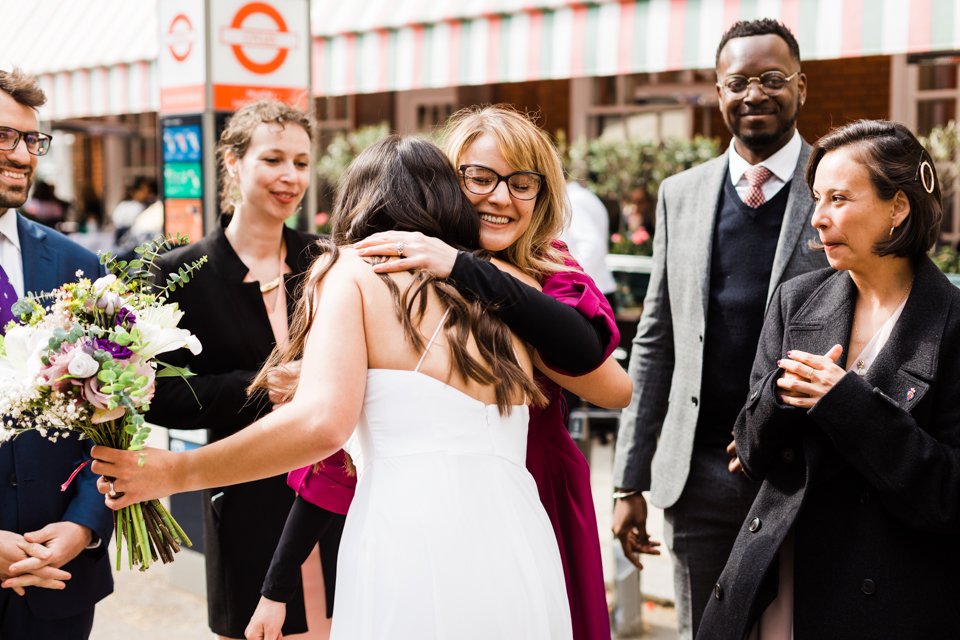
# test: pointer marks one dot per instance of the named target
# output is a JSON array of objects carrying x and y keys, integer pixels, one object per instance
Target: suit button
[
  {"x": 868, "y": 587},
  {"x": 701, "y": 337},
  {"x": 755, "y": 525},
  {"x": 694, "y": 400},
  {"x": 718, "y": 591},
  {"x": 13, "y": 479},
  {"x": 788, "y": 455}
]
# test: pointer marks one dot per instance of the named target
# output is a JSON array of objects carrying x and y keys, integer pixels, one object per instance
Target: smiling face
[
  {"x": 16, "y": 165},
  {"x": 850, "y": 217},
  {"x": 760, "y": 124},
  {"x": 274, "y": 173},
  {"x": 503, "y": 218}
]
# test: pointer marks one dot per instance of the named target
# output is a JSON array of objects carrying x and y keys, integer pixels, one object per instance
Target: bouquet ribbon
[{"x": 73, "y": 475}]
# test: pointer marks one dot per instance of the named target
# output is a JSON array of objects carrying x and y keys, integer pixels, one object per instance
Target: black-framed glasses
[
  {"x": 37, "y": 143},
  {"x": 771, "y": 83},
  {"x": 481, "y": 181}
]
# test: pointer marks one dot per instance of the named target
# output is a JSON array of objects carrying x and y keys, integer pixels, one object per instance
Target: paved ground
[{"x": 167, "y": 602}]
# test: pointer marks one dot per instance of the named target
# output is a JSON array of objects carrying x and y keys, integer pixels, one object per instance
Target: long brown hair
[{"x": 407, "y": 184}]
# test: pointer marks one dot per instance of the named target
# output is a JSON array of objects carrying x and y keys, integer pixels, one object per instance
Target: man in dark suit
[
  {"x": 53, "y": 542},
  {"x": 728, "y": 232}
]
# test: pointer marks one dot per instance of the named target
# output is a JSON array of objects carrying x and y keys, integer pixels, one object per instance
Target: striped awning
[
  {"x": 357, "y": 51},
  {"x": 93, "y": 57},
  {"x": 98, "y": 57}
]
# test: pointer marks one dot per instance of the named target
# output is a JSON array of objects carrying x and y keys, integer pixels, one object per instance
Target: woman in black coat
[
  {"x": 853, "y": 419},
  {"x": 239, "y": 305}
]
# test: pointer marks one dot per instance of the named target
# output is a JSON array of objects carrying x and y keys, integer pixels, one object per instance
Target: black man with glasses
[
  {"x": 728, "y": 232},
  {"x": 53, "y": 543}
]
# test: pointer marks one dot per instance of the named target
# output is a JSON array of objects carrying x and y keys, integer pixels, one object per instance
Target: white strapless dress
[{"x": 446, "y": 537}]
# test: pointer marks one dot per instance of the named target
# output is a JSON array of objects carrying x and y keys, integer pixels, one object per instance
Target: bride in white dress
[{"x": 446, "y": 537}]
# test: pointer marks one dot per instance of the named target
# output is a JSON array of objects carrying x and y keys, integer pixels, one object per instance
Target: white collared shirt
[
  {"x": 10, "y": 257},
  {"x": 781, "y": 164}
]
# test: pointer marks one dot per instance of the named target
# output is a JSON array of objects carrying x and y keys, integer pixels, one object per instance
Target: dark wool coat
[
  {"x": 242, "y": 528},
  {"x": 868, "y": 480}
]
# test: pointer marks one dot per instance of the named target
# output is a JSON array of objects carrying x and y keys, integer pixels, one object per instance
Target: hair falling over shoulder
[{"x": 408, "y": 184}]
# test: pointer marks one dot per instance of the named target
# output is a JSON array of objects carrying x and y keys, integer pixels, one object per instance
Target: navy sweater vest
[{"x": 744, "y": 245}]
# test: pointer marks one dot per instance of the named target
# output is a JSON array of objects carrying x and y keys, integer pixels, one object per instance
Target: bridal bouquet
[{"x": 82, "y": 360}]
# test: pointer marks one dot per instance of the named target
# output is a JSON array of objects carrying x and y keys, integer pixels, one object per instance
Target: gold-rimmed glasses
[{"x": 771, "y": 83}]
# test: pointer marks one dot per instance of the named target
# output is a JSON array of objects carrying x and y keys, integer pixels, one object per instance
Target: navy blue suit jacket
[{"x": 33, "y": 468}]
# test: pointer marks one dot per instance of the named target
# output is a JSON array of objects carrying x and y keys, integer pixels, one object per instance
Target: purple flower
[
  {"x": 125, "y": 317},
  {"x": 116, "y": 351}
]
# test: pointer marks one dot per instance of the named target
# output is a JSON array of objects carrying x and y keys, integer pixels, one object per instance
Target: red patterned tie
[{"x": 756, "y": 176}]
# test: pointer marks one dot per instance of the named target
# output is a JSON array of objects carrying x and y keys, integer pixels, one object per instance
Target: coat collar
[{"x": 907, "y": 364}]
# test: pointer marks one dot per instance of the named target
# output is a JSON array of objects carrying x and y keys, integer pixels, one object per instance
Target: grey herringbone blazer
[{"x": 655, "y": 439}]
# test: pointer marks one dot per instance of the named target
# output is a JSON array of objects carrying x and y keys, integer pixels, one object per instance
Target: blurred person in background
[
  {"x": 141, "y": 192},
  {"x": 44, "y": 206},
  {"x": 588, "y": 237}
]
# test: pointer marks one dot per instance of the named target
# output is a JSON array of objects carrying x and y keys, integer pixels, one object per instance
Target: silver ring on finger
[
  {"x": 114, "y": 494},
  {"x": 399, "y": 249}
]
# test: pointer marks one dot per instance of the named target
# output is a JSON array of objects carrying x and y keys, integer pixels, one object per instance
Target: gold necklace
[
  {"x": 861, "y": 365},
  {"x": 270, "y": 285}
]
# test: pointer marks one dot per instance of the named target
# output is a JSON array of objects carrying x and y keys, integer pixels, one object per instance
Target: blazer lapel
[
  {"x": 907, "y": 364},
  {"x": 39, "y": 261},
  {"x": 796, "y": 218},
  {"x": 825, "y": 318},
  {"x": 711, "y": 187}
]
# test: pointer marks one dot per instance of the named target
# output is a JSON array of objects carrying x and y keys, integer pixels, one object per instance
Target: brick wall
[{"x": 838, "y": 92}]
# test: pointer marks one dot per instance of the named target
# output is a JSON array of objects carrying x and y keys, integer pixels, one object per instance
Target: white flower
[
  {"x": 158, "y": 328},
  {"x": 25, "y": 345},
  {"x": 102, "y": 284},
  {"x": 82, "y": 365}
]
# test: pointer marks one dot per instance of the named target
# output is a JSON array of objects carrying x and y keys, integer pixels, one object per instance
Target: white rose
[
  {"x": 102, "y": 284},
  {"x": 82, "y": 365}
]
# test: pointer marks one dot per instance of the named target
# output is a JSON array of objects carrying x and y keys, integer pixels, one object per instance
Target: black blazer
[
  {"x": 868, "y": 480},
  {"x": 228, "y": 316},
  {"x": 32, "y": 468}
]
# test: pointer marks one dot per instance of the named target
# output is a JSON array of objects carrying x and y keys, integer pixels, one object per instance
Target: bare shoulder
[{"x": 508, "y": 268}]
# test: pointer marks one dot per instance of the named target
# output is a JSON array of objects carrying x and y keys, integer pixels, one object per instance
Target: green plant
[
  {"x": 947, "y": 259},
  {"x": 943, "y": 145},
  {"x": 336, "y": 157},
  {"x": 614, "y": 168}
]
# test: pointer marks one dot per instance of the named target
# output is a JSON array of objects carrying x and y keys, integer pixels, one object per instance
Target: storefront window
[
  {"x": 935, "y": 93},
  {"x": 649, "y": 106}
]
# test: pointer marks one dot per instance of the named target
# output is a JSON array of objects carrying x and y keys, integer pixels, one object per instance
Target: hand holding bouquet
[{"x": 86, "y": 364}]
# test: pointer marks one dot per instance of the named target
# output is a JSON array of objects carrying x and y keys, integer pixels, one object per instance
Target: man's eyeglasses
[
  {"x": 771, "y": 83},
  {"x": 481, "y": 181},
  {"x": 37, "y": 143}
]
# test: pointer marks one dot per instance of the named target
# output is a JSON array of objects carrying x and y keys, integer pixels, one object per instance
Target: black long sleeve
[
  {"x": 305, "y": 526},
  {"x": 565, "y": 339}
]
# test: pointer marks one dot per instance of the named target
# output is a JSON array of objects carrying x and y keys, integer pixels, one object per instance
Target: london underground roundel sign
[{"x": 276, "y": 38}]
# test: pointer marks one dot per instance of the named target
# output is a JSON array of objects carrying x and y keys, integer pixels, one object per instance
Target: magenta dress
[
  {"x": 327, "y": 485},
  {"x": 562, "y": 473}
]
